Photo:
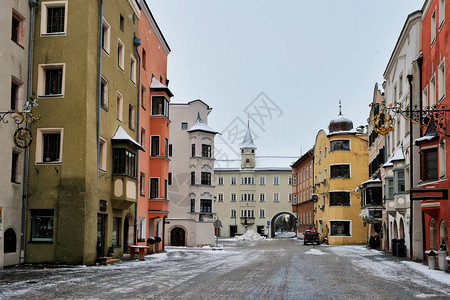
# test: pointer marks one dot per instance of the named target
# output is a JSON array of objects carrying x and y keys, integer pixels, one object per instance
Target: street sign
[
  {"x": 268, "y": 222},
  {"x": 313, "y": 229},
  {"x": 217, "y": 224}
]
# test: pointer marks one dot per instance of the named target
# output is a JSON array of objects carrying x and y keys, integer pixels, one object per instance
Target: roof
[
  {"x": 248, "y": 140},
  {"x": 200, "y": 125},
  {"x": 156, "y": 85},
  {"x": 122, "y": 136},
  {"x": 262, "y": 163},
  {"x": 398, "y": 155}
]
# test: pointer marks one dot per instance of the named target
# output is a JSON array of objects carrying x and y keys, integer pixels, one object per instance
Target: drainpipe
[
  {"x": 33, "y": 4},
  {"x": 411, "y": 169},
  {"x": 100, "y": 47},
  {"x": 137, "y": 42}
]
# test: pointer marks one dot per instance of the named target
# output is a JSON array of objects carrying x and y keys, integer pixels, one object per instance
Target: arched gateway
[{"x": 276, "y": 216}]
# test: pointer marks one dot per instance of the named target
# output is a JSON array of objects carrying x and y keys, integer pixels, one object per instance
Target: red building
[
  {"x": 154, "y": 122},
  {"x": 302, "y": 186},
  {"x": 434, "y": 137}
]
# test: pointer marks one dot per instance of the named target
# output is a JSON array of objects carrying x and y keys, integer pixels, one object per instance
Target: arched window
[{"x": 10, "y": 241}]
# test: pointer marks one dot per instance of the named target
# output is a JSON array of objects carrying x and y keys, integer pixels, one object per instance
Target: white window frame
[
  {"x": 103, "y": 154},
  {"x": 433, "y": 91},
  {"x": 233, "y": 214},
  {"x": 120, "y": 54},
  {"x": 233, "y": 180},
  {"x": 44, "y": 12},
  {"x": 40, "y": 145},
  {"x": 433, "y": 27},
  {"x": 233, "y": 197},
  {"x": 220, "y": 197},
  {"x": 220, "y": 180},
  {"x": 425, "y": 97},
  {"x": 106, "y": 37},
  {"x": 442, "y": 160},
  {"x": 441, "y": 13},
  {"x": 119, "y": 106},
  {"x": 262, "y": 197},
  {"x": 441, "y": 81},
  {"x": 276, "y": 180},
  {"x": 262, "y": 180},
  {"x": 133, "y": 69},
  {"x": 105, "y": 95},
  {"x": 276, "y": 197},
  {"x": 350, "y": 228},
  {"x": 42, "y": 78},
  {"x": 262, "y": 213}
]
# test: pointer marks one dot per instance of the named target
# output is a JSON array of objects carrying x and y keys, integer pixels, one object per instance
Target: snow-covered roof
[
  {"x": 155, "y": 84},
  {"x": 423, "y": 139},
  {"x": 280, "y": 163},
  {"x": 372, "y": 180},
  {"x": 248, "y": 140},
  {"x": 398, "y": 155},
  {"x": 200, "y": 125},
  {"x": 122, "y": 136},
  {"x": 343, "y": 132}
]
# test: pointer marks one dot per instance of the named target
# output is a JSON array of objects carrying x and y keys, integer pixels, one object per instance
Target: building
[
  {"x": 340, "y": 165},
  {"x": 302, "y": 191},
  {"x": 83, "y": 164},
  {"x": 434, "y": 153},
  {"x": 153, "y": 204},
  {"x": 401, "y": 76},
  {"x": 257, "y": 190},
  {"x": 191, "y": 171},
  {"x": 14, "y": 75},
  {"x": 373, "y": 211}
]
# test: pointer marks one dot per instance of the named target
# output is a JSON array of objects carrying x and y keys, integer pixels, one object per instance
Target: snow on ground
[
  {"x": 285, "y": 234},
  {"x": 315, "y": 252},
  {"x": 395, "y": 269},
  {"x": 250, "y": 235}
]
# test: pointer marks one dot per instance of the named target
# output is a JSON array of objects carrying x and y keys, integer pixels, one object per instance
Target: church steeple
[{"x": 248, "y": 150}]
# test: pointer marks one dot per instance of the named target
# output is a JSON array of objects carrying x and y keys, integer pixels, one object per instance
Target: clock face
[{"x": 23, "y": 138}]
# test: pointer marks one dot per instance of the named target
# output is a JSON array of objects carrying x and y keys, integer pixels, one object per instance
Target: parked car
[{"x": 311, "y": 237}]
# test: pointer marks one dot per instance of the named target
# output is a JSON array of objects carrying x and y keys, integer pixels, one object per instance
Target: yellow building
[{"x": 340, "y": 165}]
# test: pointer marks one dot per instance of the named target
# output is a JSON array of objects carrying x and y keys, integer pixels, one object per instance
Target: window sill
[
  {"x": 105, "y": 108},
  {"x": 40, "y": 242},
  {"x": 106, "y": 52},
  {"x": 18, "y": 44},
  {"x": 52, "y": 96},
  {"x": 49, "y": 162},
  {"x": 44, "y": 34},
  {"x": 441, "y": 99}
]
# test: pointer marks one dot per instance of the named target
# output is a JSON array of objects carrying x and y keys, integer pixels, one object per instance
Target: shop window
[
  {"x": 340, "y": 228},
  {"x": 116, "y": 232},
  {"x": 41, "y": 225}
]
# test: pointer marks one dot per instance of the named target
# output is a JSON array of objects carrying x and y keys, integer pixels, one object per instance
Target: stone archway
[
  {"x": 178, "y": 236},
  {"x": 276, "y": 216}
]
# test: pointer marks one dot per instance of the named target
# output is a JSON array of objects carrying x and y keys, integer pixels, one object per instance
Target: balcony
[
  {"x": 399, "y": 204},
  {"x": 124, "y": 195},
  {"x": 372, "y": 215}
]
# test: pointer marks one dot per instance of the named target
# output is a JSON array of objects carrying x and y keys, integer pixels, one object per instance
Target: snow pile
[
  {"x": 315, "y": 252},
  {"x": 250, "y": 235}
]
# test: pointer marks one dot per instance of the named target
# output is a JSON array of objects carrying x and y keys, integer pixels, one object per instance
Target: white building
[
  {"x": 395, "y": 174},
  {"x": 14, "y": 34},
  {"x": 191, "y": 170},
  {"x": 252, "y": 191}
]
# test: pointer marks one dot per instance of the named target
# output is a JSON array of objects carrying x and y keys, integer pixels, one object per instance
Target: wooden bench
[{"x": 141, "y": 251}]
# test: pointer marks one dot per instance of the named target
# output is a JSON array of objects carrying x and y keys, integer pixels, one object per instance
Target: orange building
[{"x": 154, "y": 122}]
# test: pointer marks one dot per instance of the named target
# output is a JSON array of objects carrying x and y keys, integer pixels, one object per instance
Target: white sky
[{"x": 304, "y": 55}]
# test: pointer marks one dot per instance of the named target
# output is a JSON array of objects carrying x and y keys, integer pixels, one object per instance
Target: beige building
[
  {"x": 253, "y": 191},
  {"x": 191, "y": 170},
  {"x": 15, "y": 21}
]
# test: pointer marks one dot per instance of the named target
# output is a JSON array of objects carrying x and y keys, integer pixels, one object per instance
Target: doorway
[
  {"x": 233, "y": 230},
  {"x": 177, "y": 237},
  {"x": 101, "y": 235}
]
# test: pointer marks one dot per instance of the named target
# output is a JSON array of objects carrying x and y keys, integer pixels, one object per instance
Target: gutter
[{"x": 411, "y": 168}]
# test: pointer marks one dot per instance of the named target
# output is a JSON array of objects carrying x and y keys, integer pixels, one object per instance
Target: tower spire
[{"x": 340, "y": 108}]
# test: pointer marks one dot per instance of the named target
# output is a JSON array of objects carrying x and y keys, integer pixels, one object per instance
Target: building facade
[
  {"x": 83, "y": 165},
  {"x": 191, "y": 171},
  {"x": 340, "y": 163},
  {"x": 153, "y": 204},
  {"x": 253, "y": 191},
  {"x": 434, "y": 152},
  {"x": 302, "y": 191}
]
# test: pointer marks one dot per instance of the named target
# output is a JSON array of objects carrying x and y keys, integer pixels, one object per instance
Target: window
[
  {"x": 154, "y": 188},
  {"x": 206, "y": 150},
  {"x": 276, "y": 180},
  {"x": 106, "y": 36},
  {"x": 290, "y": 197},
  {"x": 49, "y": 145},
  {"x": 144, "y": 59},
  {"x": 262, "y": 197},
  {"x": 104, "y": 93},
  {"x": 441, "y": 13},
  {"x": 184, "y": 126},
  {"x": 154, "y": 146},
  {"x": 295, "y": 199},
  {"x": 142, "y": 184},
  {"x": 102, "y": 154},
  {"x": 294, "y": 180},
  {"x": 165, "y": 189},
  {"x": 121, "y": 23},
  {"x": 15, "y": 166},
  {"x": 340, "y": 145},
  {"x": 220, "y": 197},
  {"x": 247, "y": 213},
  {"x": 441, "y": 81},
  {"x": 166, "y": 147},
  {"x": 339, "y": 198},
  {"x": 192, "y": 178},
  {"x": 247, "y": 180},
  {"x": 116, "y": 232},
  {"x": 433, "y": 91},
  {"x": 425, "y": 97},
  {"x": 233, "y": 213},
  {"x": 169, "y": 178},
  {"x": 276, "y": 197},
  {"x": 192, "y": 205},
  {"x": 399, "y": 177},
  {"x": 262, "y": 213},
  {"x": 233, "y": 197},
  {"x": 131, "y": 116},
  {"x": 290, "y": 180},
  {"x": 42, "y": 225},
  {"x": 16, "y": 94},
  {"x": 133, "y": 69},
  {"x": 120, "y": 54},
  {"x": 262, "y": 180},
  {"x": 389, "y": 188},
  {"x": 442, "y": 159},
  {"x": 433, "y": 27},
  {"x": 205, "y": 205},
  {"x": 248, "y": 197},
  {"x": 325, "y": 175},
  {"x": 233, "y": 180},
  {"x": 400, "y": 85},
  {"x": 220, "y": 180},
  {"x": 53, "y": 17},
  {"x": 141, "y": 229},
  {"x": 51, "y": 80},
  {"x": 206, "y": 178},
  {"x": 17, "y": 28},
  {"x": 193, "y": 150},
  {"x": 143, "y": 133},
  {"x": 119, "y": 107},
  {"x": 429, "y": 164},
  {"x": 143, "y": 96},
  {"x": 340, "y": 228},
  {"x": 325, "y": 152},
  {"x": 170, "y": 150},
  {"x": 124, "y": 162},
  {"x": 160, "y": 106},
  {"x": 340, "y": 171}
]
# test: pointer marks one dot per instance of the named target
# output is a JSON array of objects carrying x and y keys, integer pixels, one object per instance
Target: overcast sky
[{"x": 285, "y": 63}]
